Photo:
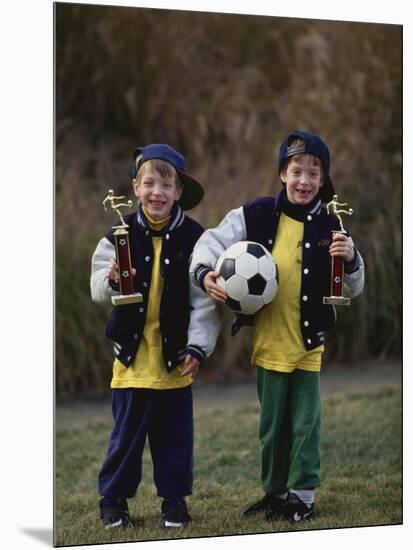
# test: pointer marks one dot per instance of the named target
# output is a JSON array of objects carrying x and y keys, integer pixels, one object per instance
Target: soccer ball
[{"x": 248, "y": 273}]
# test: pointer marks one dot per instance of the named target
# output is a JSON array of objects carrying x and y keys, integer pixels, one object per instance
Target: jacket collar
[
  {"x": 315, "y": 209},
  {"x": 177, "y": 219}
]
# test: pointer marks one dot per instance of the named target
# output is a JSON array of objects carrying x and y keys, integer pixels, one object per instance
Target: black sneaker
[
  {"x": 296, "y": 510},
  {"x": 174, "y": 515},
  {"x": 269, "y": 504},
  {"x": 114, "y": 513},
  {"x": 276, "y": 511}
]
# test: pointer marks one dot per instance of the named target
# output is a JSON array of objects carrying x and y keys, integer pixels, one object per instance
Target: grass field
[{"x": 361, "y": 467}]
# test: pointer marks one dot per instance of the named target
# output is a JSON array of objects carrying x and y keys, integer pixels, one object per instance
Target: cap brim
[
  {"x": 327, "y": 190},
  {"x": 192, "y": 192}
]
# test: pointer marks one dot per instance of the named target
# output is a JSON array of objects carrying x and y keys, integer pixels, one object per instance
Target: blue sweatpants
[{"x": 166, "y": 417}]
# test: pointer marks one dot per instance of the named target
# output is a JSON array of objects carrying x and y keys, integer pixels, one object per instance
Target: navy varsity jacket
[
  {"x": 258, "y": 221},
  {"x": 126, "y": 323}
]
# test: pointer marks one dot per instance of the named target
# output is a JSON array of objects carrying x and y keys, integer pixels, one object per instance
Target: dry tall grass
[{"x": 223, "y": 89}]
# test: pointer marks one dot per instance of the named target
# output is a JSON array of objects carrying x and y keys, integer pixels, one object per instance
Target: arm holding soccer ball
[
  {"x": 213, "y": 289},
  {"x": 209, "y": 248}
]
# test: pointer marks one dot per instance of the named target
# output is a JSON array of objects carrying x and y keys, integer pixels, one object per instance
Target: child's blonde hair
[{"x": 165, "y": 169}]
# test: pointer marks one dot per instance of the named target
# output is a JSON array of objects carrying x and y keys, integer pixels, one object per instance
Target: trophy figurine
[
  {"x": 127, "y": 294},
  {"x": 337, "y": 263}
]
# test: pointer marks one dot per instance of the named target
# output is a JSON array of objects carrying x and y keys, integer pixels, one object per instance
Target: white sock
[{"x": 306, "y": 495}]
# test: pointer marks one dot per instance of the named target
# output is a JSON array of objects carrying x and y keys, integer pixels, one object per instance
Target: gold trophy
[
  {"x": 121, "y": 235},
  {"x": 337, "y": 263}
]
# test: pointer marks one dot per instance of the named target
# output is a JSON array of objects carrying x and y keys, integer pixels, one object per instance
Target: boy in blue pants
[
  {"x": 289, "y": 333},
  {"x": 158, "y": 343}
]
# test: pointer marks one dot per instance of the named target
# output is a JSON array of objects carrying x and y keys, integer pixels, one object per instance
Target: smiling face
[
  {"x": 302, "y": 178},
  {"x": 157, "y": 193}
]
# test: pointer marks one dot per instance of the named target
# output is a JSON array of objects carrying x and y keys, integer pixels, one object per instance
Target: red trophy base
[
  {"x": 337, "y": 282},
  {"x": 127, "y": 294}
]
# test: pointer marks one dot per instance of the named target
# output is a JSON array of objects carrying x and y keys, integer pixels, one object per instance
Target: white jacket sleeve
[
  {"x": 100, "y": 289},
  {"x": 354, "y": 281},
  {"x": 214, "y": 241},
  {"x": 205, "y": 321},
  {"x": 206, "y": 314}
]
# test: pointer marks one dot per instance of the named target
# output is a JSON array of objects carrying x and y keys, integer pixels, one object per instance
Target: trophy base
[
  {"x": 336, "y": 300},
  {"x": 124, "y": 299}
]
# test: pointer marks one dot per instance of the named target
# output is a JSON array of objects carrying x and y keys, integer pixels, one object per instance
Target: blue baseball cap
[
  {"x": 312, "y": 145},
  {"x": 192, "y": 192}
]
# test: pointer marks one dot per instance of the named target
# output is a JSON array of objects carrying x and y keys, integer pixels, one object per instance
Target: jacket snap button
[
  {"x": 147, "y": 259},
  {"x": 306, "y": 271},
  {"x": 307, "y": 245},
  {"x": 305, "y": 298},
  {"x": 306, "y": 323},
  {"x": 309, "y": 217},
  {"x": 166, "y": 261}
]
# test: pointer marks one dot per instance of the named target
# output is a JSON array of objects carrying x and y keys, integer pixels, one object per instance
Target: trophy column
[
  {"x": 127, "y": 294},
  {"x": 337, "y": 281},
  {"x": 337, "y": 263},
  {"x": 123, "y": 259}
]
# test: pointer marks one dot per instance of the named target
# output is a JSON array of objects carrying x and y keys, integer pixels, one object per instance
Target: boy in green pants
[{"x": 289, "y": 333}]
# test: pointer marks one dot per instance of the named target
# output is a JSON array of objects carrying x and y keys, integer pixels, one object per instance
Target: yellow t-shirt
[
  {"x": 148, "y": 369},
  {"x": 277, "y": 339}
]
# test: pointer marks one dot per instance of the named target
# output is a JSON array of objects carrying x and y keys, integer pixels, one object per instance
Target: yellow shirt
[
  {"x": 148, "y": 369},
  {"x": 277, "y": 339}
]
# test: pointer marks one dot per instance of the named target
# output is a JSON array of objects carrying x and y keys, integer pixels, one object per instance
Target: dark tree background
[{"x": 224, "y": 90}]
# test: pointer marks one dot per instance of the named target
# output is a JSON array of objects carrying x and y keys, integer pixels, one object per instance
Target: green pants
[{"x": 289, "y": 429}]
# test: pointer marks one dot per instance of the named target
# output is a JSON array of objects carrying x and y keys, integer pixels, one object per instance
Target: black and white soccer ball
[{"x": 249, "y": 275}]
